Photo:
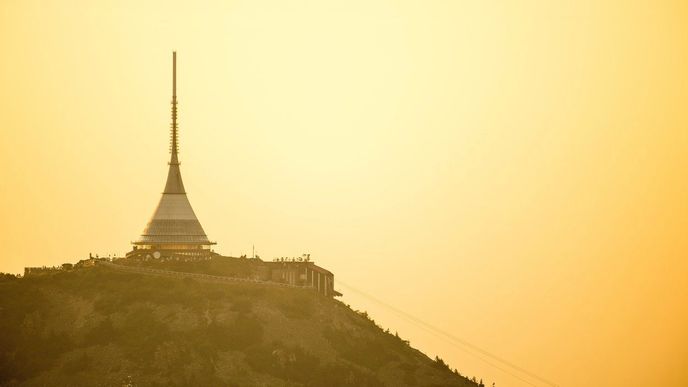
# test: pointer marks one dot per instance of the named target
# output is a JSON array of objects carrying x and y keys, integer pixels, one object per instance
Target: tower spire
[
  {"x": 174, "y": 145},
  {"x": 174, "y": 177}
]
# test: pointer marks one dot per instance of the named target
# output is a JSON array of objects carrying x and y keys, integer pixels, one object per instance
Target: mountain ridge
[{"x": 100, "y": 326}]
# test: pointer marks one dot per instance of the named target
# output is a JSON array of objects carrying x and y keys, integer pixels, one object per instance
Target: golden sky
[{"x": 512, "y": 172}]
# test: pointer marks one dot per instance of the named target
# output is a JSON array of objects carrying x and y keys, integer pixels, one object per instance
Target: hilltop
[{"x": 101, "y": 327}]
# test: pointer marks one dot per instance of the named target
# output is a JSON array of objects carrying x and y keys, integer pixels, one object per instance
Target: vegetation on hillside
[{"x": 97, "y": 326}]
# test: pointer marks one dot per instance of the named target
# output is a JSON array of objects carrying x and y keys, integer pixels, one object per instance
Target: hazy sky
[{"x": 512, "y": 172}]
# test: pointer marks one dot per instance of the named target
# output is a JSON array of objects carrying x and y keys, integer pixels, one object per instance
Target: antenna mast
[{"x": 174, "y": 145}]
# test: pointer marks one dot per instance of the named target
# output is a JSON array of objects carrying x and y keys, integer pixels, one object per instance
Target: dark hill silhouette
[{"x": 102, "y": 327}]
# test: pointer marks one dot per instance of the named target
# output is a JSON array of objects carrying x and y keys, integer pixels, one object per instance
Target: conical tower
[{"x": 173, "y": 230}]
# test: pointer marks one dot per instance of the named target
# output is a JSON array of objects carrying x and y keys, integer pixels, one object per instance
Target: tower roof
[{"x": 174, "y": 221}]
